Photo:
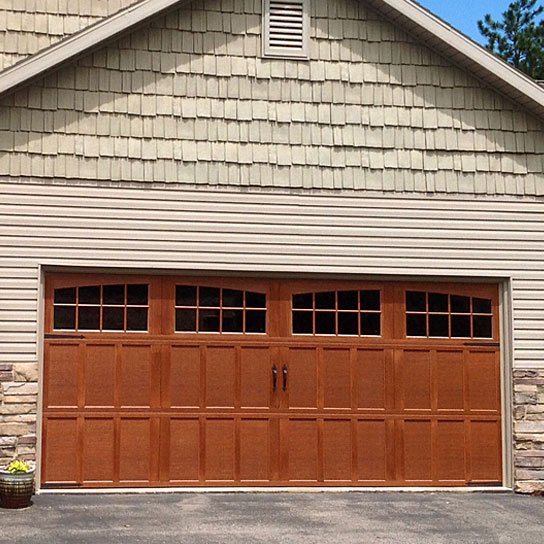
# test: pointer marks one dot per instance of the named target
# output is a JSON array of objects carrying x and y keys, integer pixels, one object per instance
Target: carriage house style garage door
[{"x": 178, "y": 381}]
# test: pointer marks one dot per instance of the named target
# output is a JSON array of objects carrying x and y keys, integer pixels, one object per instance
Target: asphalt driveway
[{"x": 277, "y": 518}]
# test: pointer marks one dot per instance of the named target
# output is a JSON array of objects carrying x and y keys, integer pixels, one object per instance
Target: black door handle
[
  {"x": 274, "y": 378},
  {"x": 284, "y": 370}
]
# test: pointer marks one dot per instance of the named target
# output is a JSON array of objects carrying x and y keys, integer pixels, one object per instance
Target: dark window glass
[
  {"x": 460, "y": 326},
  {"x": 136, "y": 319},
  {"x": 460, "y": 305},
  {"x": 256, "y": 321},
  {"x": 303, "y": 323},
  {"x": 208, "y": 320},
  {"x": 137, "y": 295},
  {"x": 255, "y": 300},
  {"x": 348, "y": 323},
  {"x": 303, "y": 301},
  {"x": 370, "y": 324},
  {"x": 209, "y": 296},
  {"x": 416, "y": 325},
  {"x": 481, "y": 306},
  {"x": 113, "y": 319},
  {"x": 370, "y": 300},
  {"x": 89, "y": 318},
  {"x": 438, "y": 302},
  {"x": 438, "y": 326},
  {"x": 347, "y": 300},
  {"x": 325, "y": 323},
  {"x": 233, "y": 321},
  {"x": 186, "y": 320},
  {"x": 325, "y": 301},
  {"x": 114, "y": 295},
  {"x": 185, "y": 295},
  {"x": 65, "y": 317},
  {"x": 233, "y": 299},
  {"x": 89, "y": 295},
  {"x": 65, "y": 296},
  {"x": 415, "y": 302},
  {"x": 482, "y": 326}
]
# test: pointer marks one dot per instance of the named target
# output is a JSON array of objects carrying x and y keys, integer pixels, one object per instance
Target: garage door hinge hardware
[
  {"x": 482, "y": 344},
  {"x": 64, "y": 336}
]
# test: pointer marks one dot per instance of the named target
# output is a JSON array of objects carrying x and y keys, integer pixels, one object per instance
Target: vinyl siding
[
  {"x": 188, "y": 99},
  {"x": 28, "y": 26},
  {"x": 265, "y": 233}
]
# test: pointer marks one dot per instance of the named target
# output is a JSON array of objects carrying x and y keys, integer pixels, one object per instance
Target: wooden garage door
[{"x": 153, "y": 381}]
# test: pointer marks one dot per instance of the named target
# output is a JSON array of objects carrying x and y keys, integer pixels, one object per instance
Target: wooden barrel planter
[{"x": 16, "y": 490}]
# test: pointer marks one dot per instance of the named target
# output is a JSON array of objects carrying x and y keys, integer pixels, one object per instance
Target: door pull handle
[
  {"x": 274, "y": 378},
  {"x": 284, "y": 371}
]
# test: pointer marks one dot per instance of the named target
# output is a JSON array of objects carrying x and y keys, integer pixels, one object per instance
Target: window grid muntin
[
  {"x": 471, "y": 314},
  {"x": 221, "y": 308},
  {"x": 359, "y": 312},
  {"x": 100, "y": 306}
]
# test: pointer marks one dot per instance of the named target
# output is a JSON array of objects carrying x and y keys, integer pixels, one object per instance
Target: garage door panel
[
  {"x": 135, "y": 448},
  {"x": 371, "y": 379},
  {"x": 337, "y": 381},
  {"x": 301, "y": 366},
  {"x": 220, "y": 450},
  {"x": 372, "y": 450},
  {"x": 61, "y": 452},
  {"x": 450, "y": 390},
  {"x": 100, "y": 376},
  {"x": 220, "y": 377},
  {"x": 485, "y": 449},
  {"x": 137, "y": 376},
  {"x": 417, "y": 441},
  {"x": 98, "y": 450},
  {"x": 300, "y": 444},
  {"x": 450, "y": 451},
  {"x": 483, "y": 380},
  {"x": 337, "y": 451},
  {"x": 62, "y": 376},
  {"x": 183, "y": 449},
  {"x": 415, "y": 385},
  {"x": 256, "y": 378},
  {"x": 183, "y": 382},
  {"x": 255, "y": 450}
]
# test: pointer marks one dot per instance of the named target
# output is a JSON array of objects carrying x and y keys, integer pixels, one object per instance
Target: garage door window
[
  {"x": 440, "y": 315},
  {"x": 338, "y": 313},
  {"x": 218, "y": 310},
  {"x": 102, "y": 308}
]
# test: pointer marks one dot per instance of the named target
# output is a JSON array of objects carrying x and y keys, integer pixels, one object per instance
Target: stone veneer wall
[
  {"x": 18, "y": 404},
  {"x": 529, "y": 430}
]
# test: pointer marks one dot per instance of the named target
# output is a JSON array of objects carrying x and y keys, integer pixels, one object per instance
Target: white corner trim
[
  {"x": 76, "y": 44},
  {"x": 467, "y": 47}
]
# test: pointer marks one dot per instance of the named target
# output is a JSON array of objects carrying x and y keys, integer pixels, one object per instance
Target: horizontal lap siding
[{"x": 265, "y": 232}]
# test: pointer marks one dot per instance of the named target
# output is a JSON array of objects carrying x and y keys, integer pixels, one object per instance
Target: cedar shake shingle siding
[{"x": 190, "y": 100}]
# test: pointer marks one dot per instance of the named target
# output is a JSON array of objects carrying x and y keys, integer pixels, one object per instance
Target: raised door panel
[
  {"x": 182, "y": 387},
  {"x": 255, "y": 450},
  {"x": 483, "y": 381},
  {"x": 450, "y": 389},
  {"x": 220, "y": 377},
  {"x": 337, "y": 451},
  {"x": 371, "y": 450},
  {"x": 300, "y": 450},
  {"x": 417, "y": 451},
  {"x": 183, "y": 449},
  {"x": 135, "y": 445},
  {"x": 62, "y": 375},
  {"x": 336, "y": 378},
  {"x": 256, "y": 378},
  {"x": 98, "y": 450},
  {"x": 60, "y": 452},
  {"x": 371, "y": 380},
  {"x": 414, "y": 372},
  {"x": 138, "y": 376},
  {"x": 220, "y": 450},
  {"x": 301, "y": 378},
  {"x": 485, "y": 451},
  {"x": 451, "y": 451},
  {"x": 100, "y": 376}
]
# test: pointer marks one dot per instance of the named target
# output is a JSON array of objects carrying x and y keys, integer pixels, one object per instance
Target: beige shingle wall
[
  {"x": 190, "y": 100},
  {"x": 27, "y": 26}
]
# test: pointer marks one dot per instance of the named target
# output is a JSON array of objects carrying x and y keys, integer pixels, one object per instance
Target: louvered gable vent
[{"x": 286, "y": 25}]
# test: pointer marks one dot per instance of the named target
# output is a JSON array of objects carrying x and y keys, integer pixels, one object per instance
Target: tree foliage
[{"x": 519, "y": 37}]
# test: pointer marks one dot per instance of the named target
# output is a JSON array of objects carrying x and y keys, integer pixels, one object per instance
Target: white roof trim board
[{"x": 416, "y": 20}]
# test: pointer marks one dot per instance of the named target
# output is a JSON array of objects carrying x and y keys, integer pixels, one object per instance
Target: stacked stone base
[
  {"x": 529, "y": 430},
  {"x": 18, "y": 406}
]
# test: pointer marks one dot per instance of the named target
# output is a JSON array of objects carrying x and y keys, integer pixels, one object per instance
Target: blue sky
[{"x": 463, "y": 14}]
